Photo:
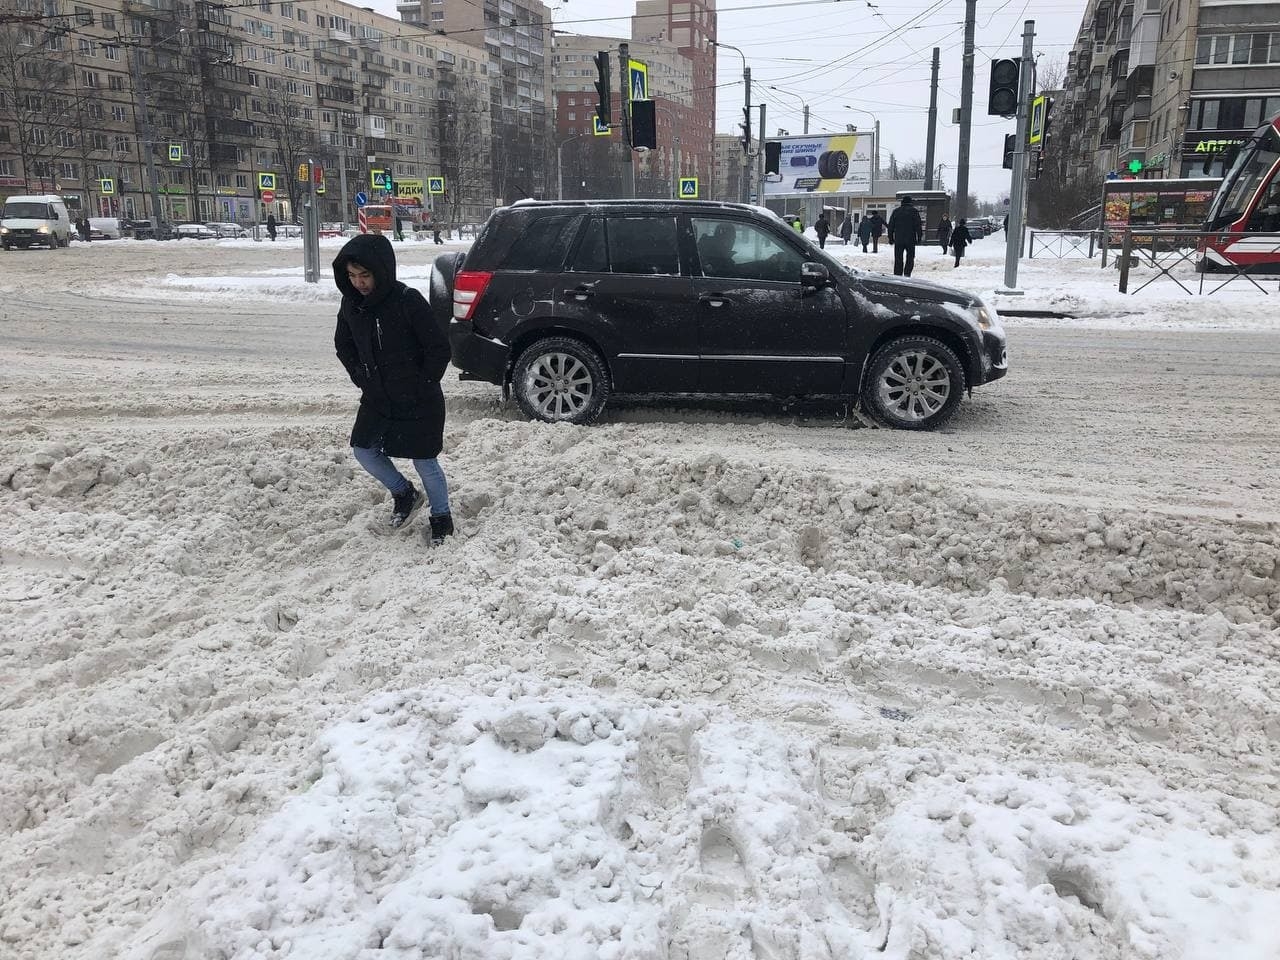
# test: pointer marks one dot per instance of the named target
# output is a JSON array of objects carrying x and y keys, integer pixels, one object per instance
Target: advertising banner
[{"x": 831, "y": 164}]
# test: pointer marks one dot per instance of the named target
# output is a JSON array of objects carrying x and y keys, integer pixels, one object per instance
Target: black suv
[{"x": 568, "y": 302}]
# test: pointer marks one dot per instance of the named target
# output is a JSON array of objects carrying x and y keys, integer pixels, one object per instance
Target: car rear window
[{"x": 543, "y": 244}]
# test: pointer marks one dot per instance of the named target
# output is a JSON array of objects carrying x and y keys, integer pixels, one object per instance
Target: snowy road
[{"x": 704, "y": 682}]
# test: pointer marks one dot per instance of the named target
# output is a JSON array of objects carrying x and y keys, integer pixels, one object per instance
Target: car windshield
[
  {"x": 26, "y": 210},
  {"x": 1254, "y": 162}
]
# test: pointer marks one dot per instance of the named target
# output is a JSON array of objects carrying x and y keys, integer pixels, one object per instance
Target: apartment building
[
  {"x": 126, "y": 105},
  {"x": 727, "y": 181},
  {"x": 1171, "y": 83},
  {"x": 578, "y": 149},
  {"x": 513, "y": 39}
]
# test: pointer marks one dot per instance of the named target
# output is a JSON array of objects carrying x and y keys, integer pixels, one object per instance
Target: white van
[{"x": 40, "y": 219}]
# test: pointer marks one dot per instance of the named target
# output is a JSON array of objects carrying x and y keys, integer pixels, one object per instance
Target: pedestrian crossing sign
[
  {"x": 638, "y": 71},
  {"x": 106, "y": 186},
  {"x": 266, "y": 181},
  {"x": 688, "y": 188},
  {"x": 599, "y": 128},
  {"x": 378, "y": 179},
  {"x": 435, "y": 185},
  {"x": 175, "y": 152}
]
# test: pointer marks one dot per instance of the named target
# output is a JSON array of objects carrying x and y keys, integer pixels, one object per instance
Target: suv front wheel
[
  {"x": 913, "y": 383},
  {"x": 560, "y": 379}
]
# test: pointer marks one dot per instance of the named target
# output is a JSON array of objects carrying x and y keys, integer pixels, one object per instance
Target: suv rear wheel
[
  {"x": 913, "y": 383},
  {"x": 560, "y": 379}
]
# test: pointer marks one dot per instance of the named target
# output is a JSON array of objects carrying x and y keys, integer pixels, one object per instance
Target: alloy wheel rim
[
  {"x": 915, "y": 385},
  {"x": 558, "y": 386}
]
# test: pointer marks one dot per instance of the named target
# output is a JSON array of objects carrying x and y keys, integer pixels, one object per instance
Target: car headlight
[
  {"x": 3, "y": 230},
  {"x": 986, "y": 316},
  {"x": 42, "y": 229}
]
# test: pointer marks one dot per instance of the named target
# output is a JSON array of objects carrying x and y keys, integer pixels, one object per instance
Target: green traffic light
[{"x": 1135, "y": 166}]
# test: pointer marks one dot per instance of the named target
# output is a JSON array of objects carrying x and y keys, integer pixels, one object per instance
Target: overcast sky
[{"x": 871, "y": 56}]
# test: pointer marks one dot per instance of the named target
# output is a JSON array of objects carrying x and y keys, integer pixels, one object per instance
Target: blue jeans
[{"x": 380, "y": 467}]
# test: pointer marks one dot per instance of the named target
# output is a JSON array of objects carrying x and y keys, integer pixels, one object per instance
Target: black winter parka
[{"x": 394, "y": 351}]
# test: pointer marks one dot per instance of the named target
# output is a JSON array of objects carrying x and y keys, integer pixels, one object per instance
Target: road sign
[
  {"x": 600, "y": 129},
  {"x": 106, "y": 186},
  {"x": 175, "y": 152},
  {"x": 266, "y": 181},
  {"x": 435, "y": 185},
  {"x": 378, "y": 179},
  {"x": 268, "y": 196},
  {"x": 638, "y": 72},
  {"x": 361, "y": 198},
  {"x": 688, "y": 188},
  {"x": 1036, "y": 133}
]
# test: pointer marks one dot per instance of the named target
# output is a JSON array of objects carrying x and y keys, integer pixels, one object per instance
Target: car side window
[
  {"x": 593, "y": 255},
  {"x": 735, "y": 250},
  {"x": 543, "y": 244},
  {"x": 643, "y": 245}
]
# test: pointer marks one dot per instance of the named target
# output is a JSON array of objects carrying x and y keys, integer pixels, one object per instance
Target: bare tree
[
  {"x": 292, "y": 134},
  {"x": 463, "y": 138},
  {"x": 37, "y": 95}
]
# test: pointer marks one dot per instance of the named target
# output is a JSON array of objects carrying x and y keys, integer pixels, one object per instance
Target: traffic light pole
[
  {"x": 745, "y": 193},
  {"x": 624, "y": 101},
  {"x": 1018, "y": 183}
]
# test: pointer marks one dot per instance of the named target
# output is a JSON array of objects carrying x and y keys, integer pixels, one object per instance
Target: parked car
[
  {"x": 567, "y": 303},
  {"x": 194, "y": 231},
  {"x": 228, "y": 230},
  {"x": 105, "y": 228},
  {"x": 146, "y": 230}
]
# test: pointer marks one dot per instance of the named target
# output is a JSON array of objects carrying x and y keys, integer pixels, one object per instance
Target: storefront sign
[{"x": 1220, "y": 141}]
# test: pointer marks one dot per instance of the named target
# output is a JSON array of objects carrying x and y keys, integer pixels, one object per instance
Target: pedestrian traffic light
[
  {"x": 1010, "y": 145},
  {"x": 603, "y": 108},
  {"x": 746, "y": 130},
  {"x": 1037, "y": 164},
  {"x": 772, "y": 156},
  {"x": 1002, "y": 101},
  {"x": 1135, "y": 166},
  {"x": 644, "y": 130}
]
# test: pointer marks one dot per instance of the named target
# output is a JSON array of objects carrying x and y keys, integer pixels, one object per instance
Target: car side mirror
[{"x": 814, "y": 274}]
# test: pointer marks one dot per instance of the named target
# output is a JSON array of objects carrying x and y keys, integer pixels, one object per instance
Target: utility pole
[
  {"x": 931, "y": 142},
  {"x": 966, "y": 111},
  {"x": 342, "y": 168},
  {"x": 1018, "y": 184},
  {"x": 806, "y": 120},
  {"x": 746, "y": 113},
  {"x": 760, "y": 161},
  {"x": 624, "y": 101},
  {"x": 140, "y": 85},
  {"x": 311, "y": 227}
]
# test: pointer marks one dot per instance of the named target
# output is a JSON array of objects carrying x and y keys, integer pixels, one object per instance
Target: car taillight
[{"x": 468, "y": 288}]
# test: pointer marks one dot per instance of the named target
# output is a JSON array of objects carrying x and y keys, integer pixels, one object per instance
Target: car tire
[
  {"x": 833, "y": 165},
  {"x": 561, "y": 380},
  {"x": 913, "y": 383}
]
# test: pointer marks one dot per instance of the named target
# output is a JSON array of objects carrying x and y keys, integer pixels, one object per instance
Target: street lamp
[
  {"x": 746, "y": 153},
  {"x": 875, "y": 152},
  {"x": 804, "y": 105}
]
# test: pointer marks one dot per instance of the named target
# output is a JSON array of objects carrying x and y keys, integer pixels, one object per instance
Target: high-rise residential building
[
  {"x": 1173, "y": 84},
  {"x": 514, "y": 41}
]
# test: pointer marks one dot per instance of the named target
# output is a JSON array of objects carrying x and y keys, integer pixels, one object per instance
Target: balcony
[
  {"x": 382, "y": 146},
  {"x": 340, "y": 35},
  {"x": 329, "y": 52}
]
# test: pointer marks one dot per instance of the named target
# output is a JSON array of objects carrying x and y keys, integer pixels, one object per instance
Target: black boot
[
  {"x": 441, "y": 527},
  {"x": 405, "y": 504}
]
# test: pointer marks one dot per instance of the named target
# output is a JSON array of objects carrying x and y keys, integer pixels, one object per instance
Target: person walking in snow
[
  {"x": 877, "y": 231},
  {"x": 905, "y": 231},
  {"x": 821, "y": 227},
  {"x": 944, "y": 233},
  {"x": 864, "y": 233},
  {"x": 846, "y": 229},
  {"x": 271, "y": 226},
  {"x": 960, "y": 238},
  {"x": 395, "y": 353}
]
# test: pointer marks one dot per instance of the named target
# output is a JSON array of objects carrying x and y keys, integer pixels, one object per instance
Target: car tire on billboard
[{"x": 833, "y": 165}]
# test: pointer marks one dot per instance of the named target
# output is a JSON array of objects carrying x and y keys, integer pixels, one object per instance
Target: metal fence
[
  {"x": 1166, "y": 250},
  {"x": 1064, "y": 244}
]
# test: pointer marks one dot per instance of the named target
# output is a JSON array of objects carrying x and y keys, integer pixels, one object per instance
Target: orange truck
[{"x": 376, "y": 217}]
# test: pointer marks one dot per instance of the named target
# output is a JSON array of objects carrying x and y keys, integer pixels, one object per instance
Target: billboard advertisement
[{"x": 831, "y": 164}]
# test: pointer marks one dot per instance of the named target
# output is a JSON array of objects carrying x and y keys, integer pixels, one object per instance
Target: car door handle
[
  {"x": 583, "y": 291},
  {"x": 713, "y": 299}
]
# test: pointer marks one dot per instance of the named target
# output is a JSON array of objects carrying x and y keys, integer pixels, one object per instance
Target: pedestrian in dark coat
[
  {"x": 822, "y": 227},
  {"x": 846, "y": 229},
  {"x": 905, "y": 231},
  {"x": 864, "y": 232},
  {"x": 944, "y": 233},
  {"x": 960, "y": 239},
  {"x": 877, "y": 231},
  {"x": 395, "y": 352},
  {"x": 271, "y": 226}
]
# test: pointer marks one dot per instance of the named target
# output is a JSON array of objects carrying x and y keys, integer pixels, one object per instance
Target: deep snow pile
[{"x": 684, "y": 687}]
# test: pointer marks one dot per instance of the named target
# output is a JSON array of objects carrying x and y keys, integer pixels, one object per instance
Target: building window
[
  {"x": 69, "y": 171},
  {"x": 84, "y": 16},
  {"x": 108, "y": 21},
  {"x": 242, "y": 181},
  {"x": 111, "y": 52},
  {"x": 6, "y": 168},
  {"x": 88, "y": 48}
]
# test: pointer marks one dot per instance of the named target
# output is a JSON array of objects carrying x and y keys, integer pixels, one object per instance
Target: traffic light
[
  {"x": 603, "y": 108},
  {"x": 644, "y": 129},
  {"x": 746, "y": 130},
  {"x": 1037, "y": 165},
  {"x": 772, "y": 156},
  {"x": 1010, "y": 145},
  {"x": 1002, "y": 100}
]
